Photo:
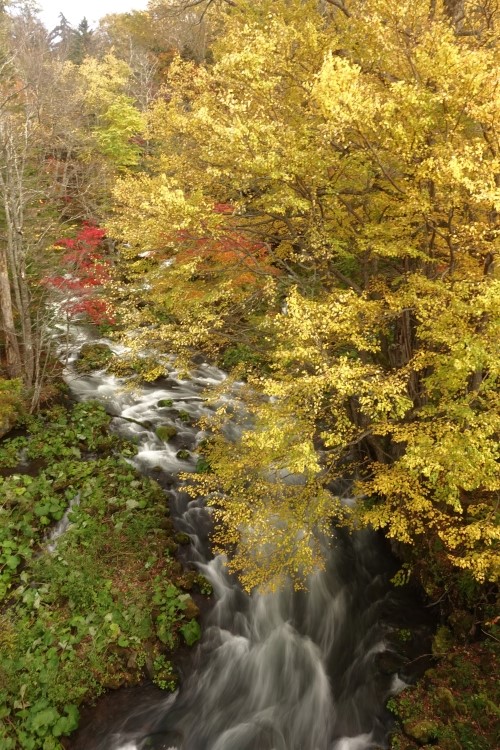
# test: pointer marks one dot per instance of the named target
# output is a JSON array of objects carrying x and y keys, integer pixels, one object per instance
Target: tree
[
  {"x": 189, "y": 23},
  {"x": 360, "y": 147},
  {"x": 64, "y": 130},
  {"x": 19, "y": 131},
  {"x": 118, "y": 123},
  {"x": 135, "y": 38},
  {"x": 81, "y": 42},
  {"x": 86, "y": 270},
  {"x": 61, "y": 36}
]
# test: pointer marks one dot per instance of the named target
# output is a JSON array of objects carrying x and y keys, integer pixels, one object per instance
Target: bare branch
[{"x": 340, "y": 5}]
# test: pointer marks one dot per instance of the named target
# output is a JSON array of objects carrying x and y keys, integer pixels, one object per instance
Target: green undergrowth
[
  {"x": 11, "y": 403},
  {"x": 456, "y": 705},
  {"x": 108, "y": 604},
  {"x": 93, "y": 356}
]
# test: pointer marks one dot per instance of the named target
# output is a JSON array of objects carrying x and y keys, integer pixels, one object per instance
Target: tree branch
[{"x": 340, "y": 5}]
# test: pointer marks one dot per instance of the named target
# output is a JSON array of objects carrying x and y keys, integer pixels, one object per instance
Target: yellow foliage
[
  {"x": 361, "y": 151},
  {"x": 105, "y": 79}
]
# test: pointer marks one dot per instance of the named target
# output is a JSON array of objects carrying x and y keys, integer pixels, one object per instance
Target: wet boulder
[
  {"x": 423, "y": 731},
  {"x": 93, "y": 356},
  {"x": 166, "y": 432}
]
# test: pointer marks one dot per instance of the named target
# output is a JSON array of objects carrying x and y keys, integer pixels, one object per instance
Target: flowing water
[{"x": 288, "y": 670}]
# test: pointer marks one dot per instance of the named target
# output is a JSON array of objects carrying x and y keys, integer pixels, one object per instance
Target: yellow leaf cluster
[{"x": 359, "y": 152}]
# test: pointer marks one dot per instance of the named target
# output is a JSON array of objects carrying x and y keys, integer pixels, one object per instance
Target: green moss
[
  {"x": 455, "y": 706},
  {"x": 182, "y": 538},
  {"x": 442, "y": 641},
  {"x": 166, "y": 432},
  {"x": 93, "y": 357},
  {"x": 445, "y": 701},
  {"x": 423, "y": 730},
  {"x": 240, "y": 357},
  {"x": 203, "y": 466},
  {"x": 11, "y": 404}
]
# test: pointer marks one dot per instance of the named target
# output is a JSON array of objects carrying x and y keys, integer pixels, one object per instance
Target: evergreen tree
[{"x": 81, "y": 42}]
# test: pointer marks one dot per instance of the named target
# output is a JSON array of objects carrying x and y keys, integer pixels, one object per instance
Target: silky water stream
[{"x": 288, "y": 670}]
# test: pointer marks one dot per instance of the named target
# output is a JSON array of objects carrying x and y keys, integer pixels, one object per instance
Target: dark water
[{"x": 280, "y": 671}]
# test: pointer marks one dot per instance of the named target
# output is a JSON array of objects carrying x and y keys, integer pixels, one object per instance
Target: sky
[{"x": 75, "y": 10}]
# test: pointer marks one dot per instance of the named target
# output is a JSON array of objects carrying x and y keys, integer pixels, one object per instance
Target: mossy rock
[
  {"x": 7, "y": 422},
  {"x": 121, "y": 368},
  {"x": 462, "y": 623},
  {"x": 422, "y": 731},
  {"x": 388, "y": 662},
  {"x": 11, "y": 404},
  {"x": 459, "y": 699},
  {"x": 445, "y": 701},
  {"x": 191, "y": 610},
  {"x": 183, "y": 455},
  {"x": 171, "y": 546},
  {"x": 165, "y": 403},
  {"x": 113, "y": 681},
  {"x": 93, "y": 357},
  {"x": 449, "y": 743},
  {"x": 187, "y": 580},
  {"x": 184, "y": 416},
  {"x": 165, "y": 676},
  {"x": 167, "y": 524},
  {"x": 442, "y": 641},
  {"x": 182, "y": 538},
  {"x": 204, "y": 584},
  {"x": 166, "y": 432}
]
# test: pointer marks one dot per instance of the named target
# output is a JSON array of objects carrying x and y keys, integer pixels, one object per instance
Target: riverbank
[
  {"x": 93, "y": 597},
  {"x": 75, "y": 453},
  {"x": 456, "y": 704}
]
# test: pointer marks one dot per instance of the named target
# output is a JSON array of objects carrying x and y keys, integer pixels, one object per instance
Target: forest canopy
[
  {"x": 325, "y": 192},
  {"x": 307, "y": 193}
]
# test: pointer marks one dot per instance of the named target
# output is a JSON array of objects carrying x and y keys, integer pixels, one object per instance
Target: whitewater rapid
[{"x": 278, "y": 671}]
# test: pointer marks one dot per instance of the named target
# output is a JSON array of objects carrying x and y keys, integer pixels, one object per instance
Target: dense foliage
[
  {"x": 66, "y": 130},
  {"x": 307, "y": 193},
  {"x": 456, "y": 706},
  {"x": 325, "y": 193},
  {"x": 95, "y": 608}
]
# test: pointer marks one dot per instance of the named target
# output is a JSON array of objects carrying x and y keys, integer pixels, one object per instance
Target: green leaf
[
  {"x": 67, "y": 724},
  {"x": 191, "y": 631},
  {"x": 44, "y": 718},
  {"x": 13, "y": 561}
]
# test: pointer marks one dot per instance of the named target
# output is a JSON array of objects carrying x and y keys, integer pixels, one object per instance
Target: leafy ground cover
[
  {"x": 104, "y": 606},
  {"x": 456, "y": 705},
  {"x": 11, "y": 403}
]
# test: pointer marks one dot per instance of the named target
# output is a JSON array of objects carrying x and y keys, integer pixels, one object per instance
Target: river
[{"x": 289, "y": 670}]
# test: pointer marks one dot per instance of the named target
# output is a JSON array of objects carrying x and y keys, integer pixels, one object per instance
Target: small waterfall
[
  {"x": 277, "y": 671},
  {"x": 61, "y": 525}
]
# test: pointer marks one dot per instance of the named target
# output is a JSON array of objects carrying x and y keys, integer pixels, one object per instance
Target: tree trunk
[
  {"x": 12, "y": 351},
  {"x": 455, "y": 10}
]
